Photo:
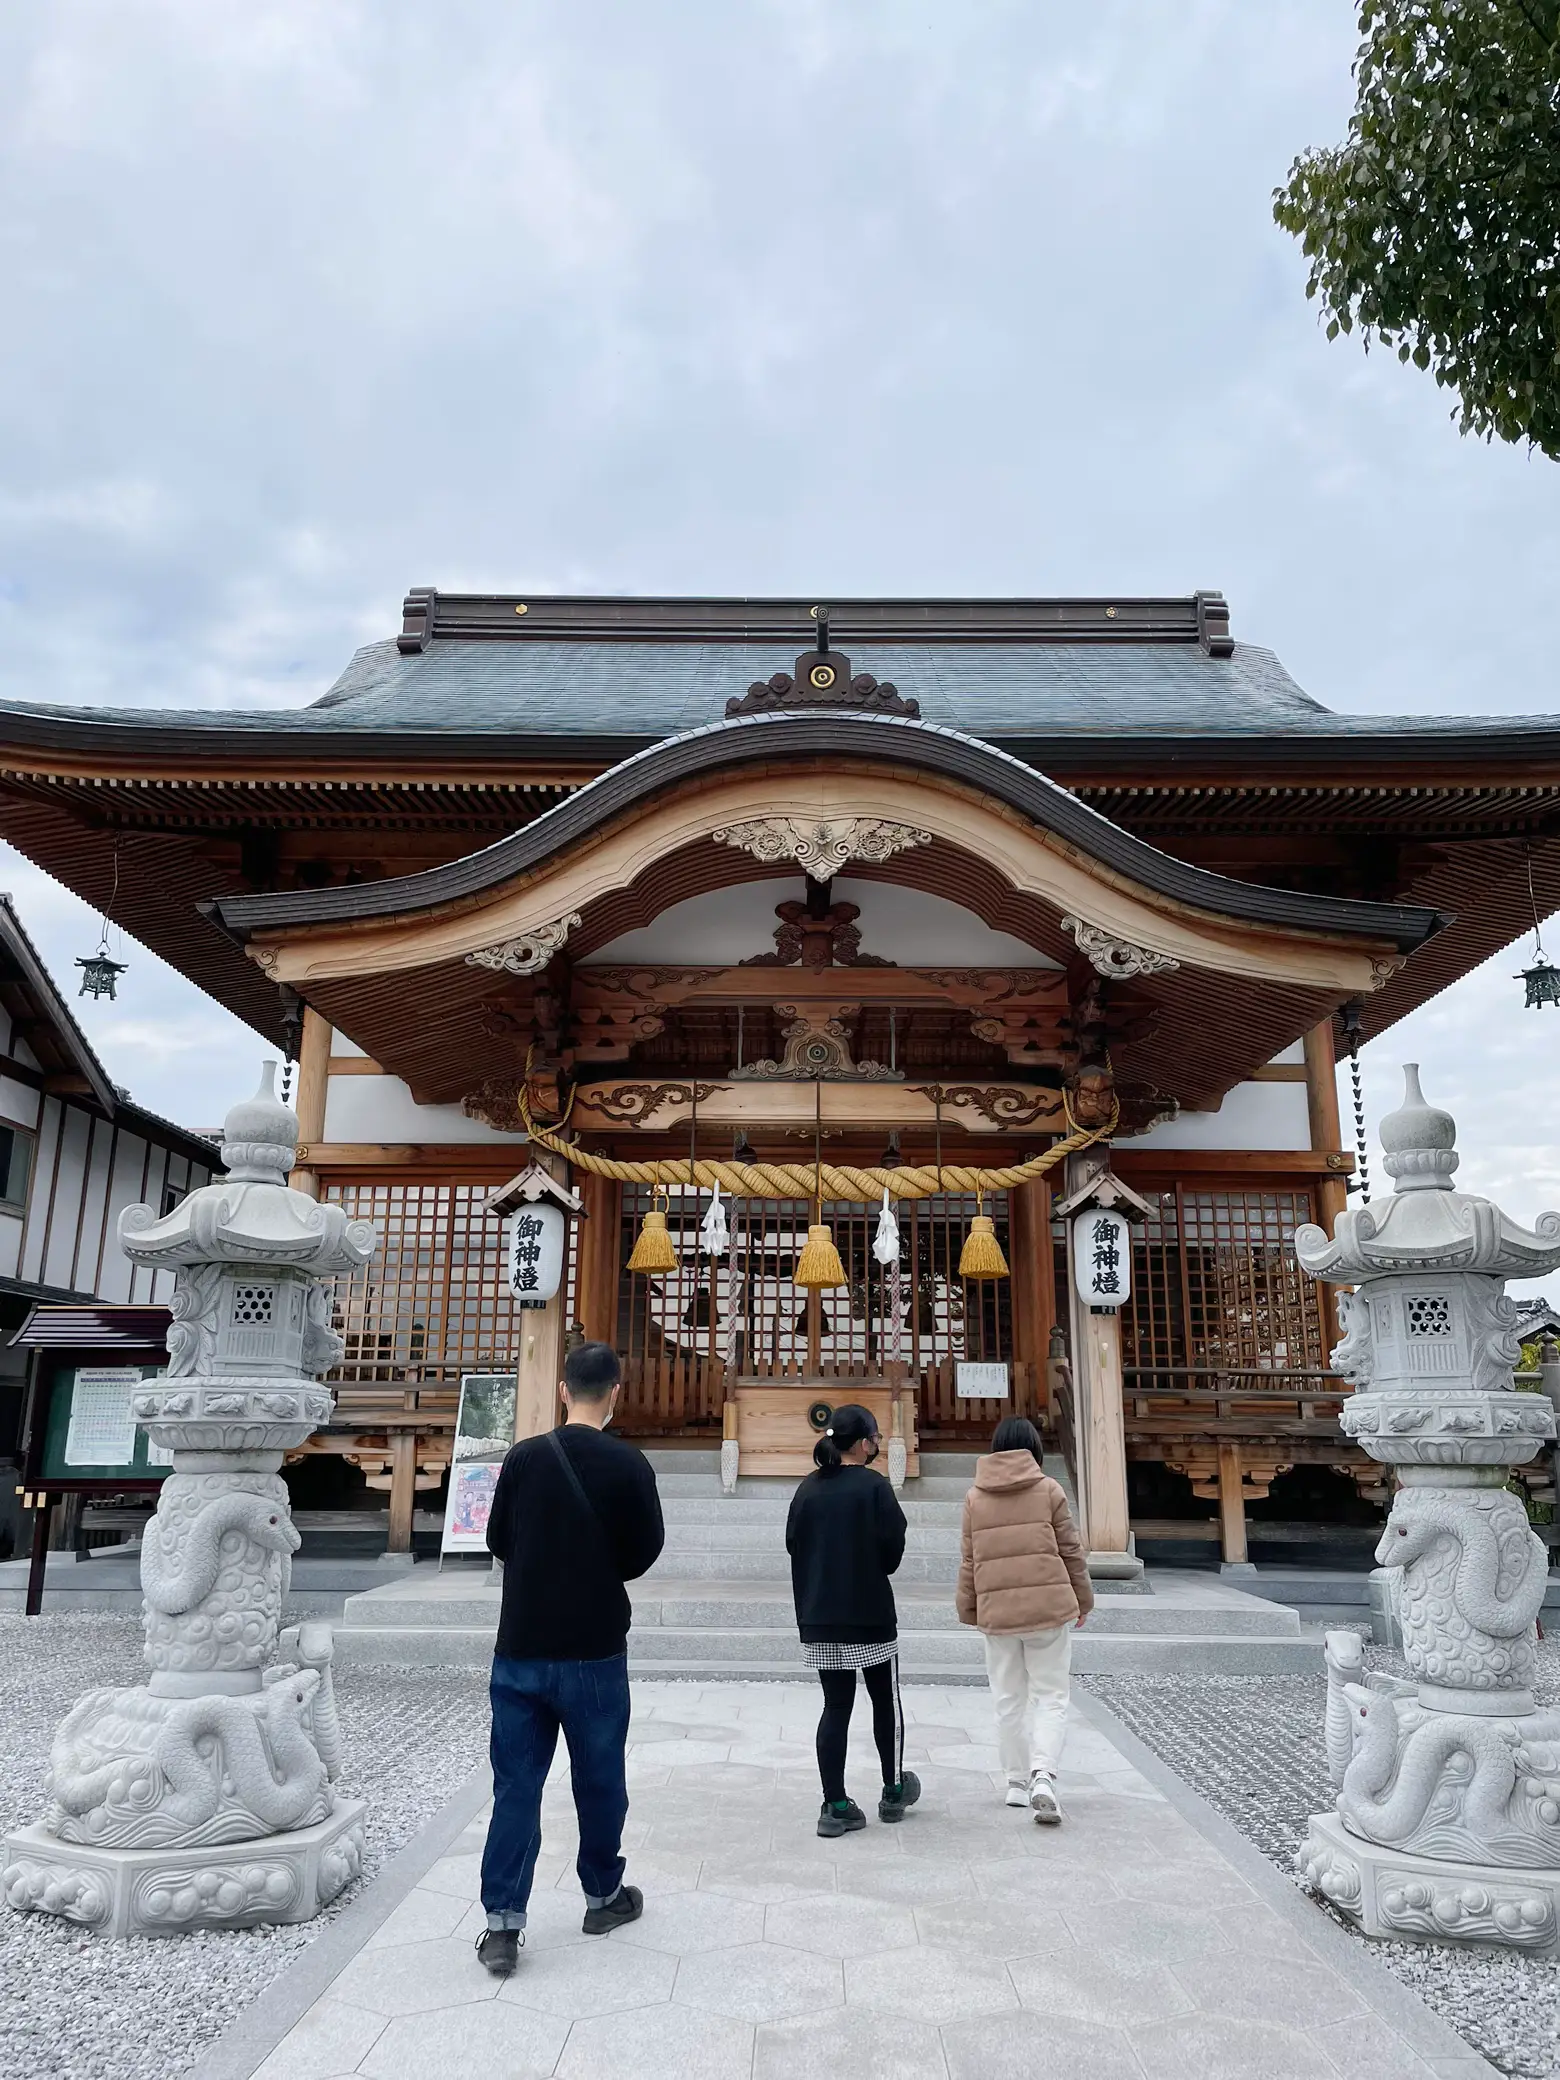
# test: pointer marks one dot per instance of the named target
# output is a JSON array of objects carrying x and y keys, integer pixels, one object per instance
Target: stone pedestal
[
  {"x": 1447, "y": 1824},
  {"x": 204, "y": 1797},
  {"x": 158, "y": 1892}
]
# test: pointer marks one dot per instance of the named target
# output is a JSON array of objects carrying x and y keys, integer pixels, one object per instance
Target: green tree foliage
[{"x": 1436, "y": 227}]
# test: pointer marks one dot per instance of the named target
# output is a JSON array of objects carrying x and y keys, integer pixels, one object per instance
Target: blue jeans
[{"x": 532, "y": 1700}]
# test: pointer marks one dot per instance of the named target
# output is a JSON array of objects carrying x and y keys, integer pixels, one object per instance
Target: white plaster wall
[
  {"x": 727, "y": 925},
  {"x": 18, "y": 1104},
  {"x": 340, "y": 1044},
  {"x": 381, "y": 1108},
  {"x": 1254, "y": 1115},
  {"x": 10, "y": 1244},
  {"x": 1293, "y": 1055}
]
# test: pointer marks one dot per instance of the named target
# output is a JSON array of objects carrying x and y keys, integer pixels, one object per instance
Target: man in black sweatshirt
[{"x": 575, "y": 1516}]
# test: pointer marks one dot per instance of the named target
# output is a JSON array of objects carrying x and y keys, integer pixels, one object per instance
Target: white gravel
[
  {"x": 1254, "y": 1750},
  {"x": 74, "y": 2006}
]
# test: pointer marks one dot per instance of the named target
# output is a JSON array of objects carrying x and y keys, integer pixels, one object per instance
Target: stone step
[
  {"x": 935, "y": 1464},
  {"x": 706, "y": 1487},
  {"x": 735, "y": 1531},
  {"x": 946, "y": 1514},
  {"x": 929, "y": 1656},
  {"x": 769, "y": 1563}
]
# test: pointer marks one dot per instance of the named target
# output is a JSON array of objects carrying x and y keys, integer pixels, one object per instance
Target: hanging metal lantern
[
  {"x": 99, "y": 974},
  {"x": 1543, "y": 984},
  {"x": 1543, "y": 978}
]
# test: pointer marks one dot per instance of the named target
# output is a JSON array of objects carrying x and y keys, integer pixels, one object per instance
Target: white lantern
[
  {"x": 536, "y": 1238},
  {"x": 1102, "y": 1257}
]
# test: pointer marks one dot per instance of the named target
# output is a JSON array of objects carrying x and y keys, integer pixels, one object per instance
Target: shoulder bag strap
[{"x": 576, "y": 1483}]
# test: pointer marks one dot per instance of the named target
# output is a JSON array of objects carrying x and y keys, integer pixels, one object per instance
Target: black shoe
[
  {"x": 617, "y": 1913},
  {"x": 499, "y": 1950},
  {"x": 845, "y": 1819},
  {"x": 898, "y": 1798}
]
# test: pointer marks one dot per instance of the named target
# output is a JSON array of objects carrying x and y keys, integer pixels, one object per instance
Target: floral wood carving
[
  {"x": 626, "y": 1104},
  {"x": 823, "y": 682},
  {"x": 496, "y": 1102},
  {"x": 528, "y": 952},
  {"x": 822, "y": 848},
  {"x": 1116, "y": 957},
  {"x": 832, "y": 939},
  {"x": 817, "y": 1050},
  {"x": 1002, "y": 1104}
]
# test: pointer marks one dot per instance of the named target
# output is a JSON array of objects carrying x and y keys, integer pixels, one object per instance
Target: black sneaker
[
  {"x": 499, "y": 1950},
  {"x": 843, "y": 1819},
  {"x": 617, "y": 1913},
  {"x": 898, "y": 1798}
]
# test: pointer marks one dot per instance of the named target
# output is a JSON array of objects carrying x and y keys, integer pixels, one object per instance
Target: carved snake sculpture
[
  {"x": 1417, "y": 1520},
  {"x": 196, "y": 1784},
  {"x": 1425, "y": 1754},
  {"x": 255, "y": 1739},
  {"x": 175, "y": 1587}
]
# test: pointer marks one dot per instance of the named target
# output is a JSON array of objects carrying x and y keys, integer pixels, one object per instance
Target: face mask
[{"x": 872, "y": 1451}]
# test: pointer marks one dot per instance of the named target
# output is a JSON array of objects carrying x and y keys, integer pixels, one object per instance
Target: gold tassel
[
  {"x": 819, "y": 1263},
  {"x": 981, "y": 1256},
  {"x": 653, "y": 1249}
]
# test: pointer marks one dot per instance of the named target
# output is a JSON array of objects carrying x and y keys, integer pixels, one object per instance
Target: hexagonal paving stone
[
  {"x": 993, "y": 1928},
  {"x": 591, "y": 1978},
  {"x": 844, "y": 1924},
  {"x": 849, "y": 2044},
  {"x": 766, "y": 1880},
  {"x": 414, "y": 1976},
  {"x": 1298, "y": 1990},
  {"x": 686, "y": 1924},
  {"x": 1073, "y": 1886},
  {"x": 760, "y": 1982},
  {"x": 422, "y": 1917},
  {"x": 1221, "y": 2047},
  {"x": 684, "y": 2042},
  {"x": 929, "y": 1984},
  {"x": 1098, "y": 1987},
  {"x": 454, "y": 2043},
  {"x": 1035, "y": 2047},
  {"x": 330, "y": 2038}
]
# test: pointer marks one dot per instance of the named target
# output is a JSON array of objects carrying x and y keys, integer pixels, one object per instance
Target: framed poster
[
  {"x": 91, "y": 1433},
  {"x": 974, "y": 1382},
  {"x": 484, "y": 1431}
]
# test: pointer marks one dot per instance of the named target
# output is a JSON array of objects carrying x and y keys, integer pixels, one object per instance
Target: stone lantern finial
[
  {"x": 1419, "y": 1141},
  {"x": 1447, "y": 1823},
  {"x": 260, "y": 1135}
]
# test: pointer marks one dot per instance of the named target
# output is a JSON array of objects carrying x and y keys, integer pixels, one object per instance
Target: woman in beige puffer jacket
[{"x": 1024, "y": 1582}]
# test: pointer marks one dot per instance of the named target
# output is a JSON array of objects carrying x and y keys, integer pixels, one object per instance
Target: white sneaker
[
  {"x": 1047, "y": 1807},
  {"x": 1017, "y": 1792}
]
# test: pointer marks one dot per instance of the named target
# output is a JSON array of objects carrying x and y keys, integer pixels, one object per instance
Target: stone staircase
[{"x": 718, "y": 1601}]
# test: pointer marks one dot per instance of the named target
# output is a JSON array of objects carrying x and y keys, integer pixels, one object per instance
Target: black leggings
[{"x": 888, "y": 1726}]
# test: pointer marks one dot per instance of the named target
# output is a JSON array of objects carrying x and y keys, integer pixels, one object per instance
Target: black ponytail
[
  {"x": 848, "y": 1425},
  {"x": 1018, "y": 1434}
]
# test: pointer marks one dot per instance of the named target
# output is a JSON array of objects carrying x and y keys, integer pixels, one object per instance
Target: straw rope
[{"x": 761, "y": 1180}]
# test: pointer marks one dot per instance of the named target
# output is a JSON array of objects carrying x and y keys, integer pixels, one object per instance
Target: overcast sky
[{"x": 309, "y": 302}]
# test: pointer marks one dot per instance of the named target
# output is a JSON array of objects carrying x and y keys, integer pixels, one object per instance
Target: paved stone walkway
[{"x": 966, "y": 1944}]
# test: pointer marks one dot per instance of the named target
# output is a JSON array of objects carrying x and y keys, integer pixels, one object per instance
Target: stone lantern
[
  {"x": 1447, "y": 1823},
  {"x": 203, "y": 1798}
]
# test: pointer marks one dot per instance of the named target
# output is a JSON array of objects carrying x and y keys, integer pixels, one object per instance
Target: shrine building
[{"x": 811, "y": 890}]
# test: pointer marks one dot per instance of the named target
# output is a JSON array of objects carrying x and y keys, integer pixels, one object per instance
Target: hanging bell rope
[
  {"x": 762, "y": 1180},
  {"x": 819, "y": 1263},
  {"x": 981, "y": 1256},
  {"x": 653, "y": 1249}
]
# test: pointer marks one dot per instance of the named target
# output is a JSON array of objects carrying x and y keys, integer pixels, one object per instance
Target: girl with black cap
[{"x": 846, "y": 1535}]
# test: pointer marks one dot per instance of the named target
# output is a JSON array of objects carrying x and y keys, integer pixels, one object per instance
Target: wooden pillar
[
  {"x": 1232, "y": 1507},
  {"x": 1321, "y": 1102},
  {"x": 313, "y": 1085},
  {"x": 403, "y": 1489},
  {"x": 1034, "y": 1288},
  {"x": 539, "y": 1369},
  {"x": 597, "y": 1270}
]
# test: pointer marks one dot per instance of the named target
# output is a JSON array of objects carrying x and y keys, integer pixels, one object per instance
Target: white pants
[{"x": 1030, "y": 1675}]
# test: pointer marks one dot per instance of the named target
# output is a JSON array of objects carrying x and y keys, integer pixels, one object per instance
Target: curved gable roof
[{"x": 946, "y": 753}]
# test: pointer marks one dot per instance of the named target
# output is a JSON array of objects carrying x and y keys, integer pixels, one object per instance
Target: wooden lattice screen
[
  {"x": 680, "y": 1332},
  {"x": 1215, "y": 1286},
  {"x": 435, "y": 1300}
]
